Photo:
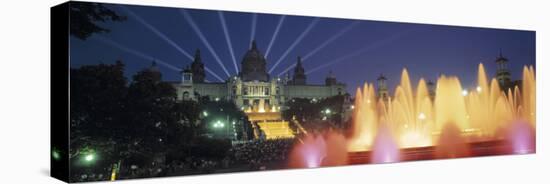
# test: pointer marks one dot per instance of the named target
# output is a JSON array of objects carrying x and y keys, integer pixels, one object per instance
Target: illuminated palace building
[{"x": 260, "y": 96}]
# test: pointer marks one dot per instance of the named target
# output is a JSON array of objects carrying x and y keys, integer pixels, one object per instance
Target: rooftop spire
[
  {"x": 430, "y": 82},
  {"x": 254, "y": 45},
  {"x": 197, "y": 52},
  {"x": 299, "y": 73},
  {"x": 381, "y": 77},
  {"x": 197, "y": 56},
  {"x": 154, "y": 66},
  {"x": 330, "y": 74},
  {"x": 501, "y": 58}
]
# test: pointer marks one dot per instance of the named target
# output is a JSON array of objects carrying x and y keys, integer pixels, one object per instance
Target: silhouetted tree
[
  {"x": 149, "y": 114},
  {"x": 226, "y": 112},
  {"x": 84, "y": 18},
  {"x": 302, "y": 109},
  {"x": 186, "y": 113},
  {"x": 312, "y": 115},
  {"x": 97, "y": 99},
  {"x": 97, "y": 96}
]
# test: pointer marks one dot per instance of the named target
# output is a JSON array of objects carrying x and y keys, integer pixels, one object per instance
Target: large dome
[{"x": 253, "y": 65}]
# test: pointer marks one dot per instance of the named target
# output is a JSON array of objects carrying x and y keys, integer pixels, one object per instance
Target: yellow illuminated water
[
  {"x": 415, "y": 120},
  {"x": 365, "y": 111}
]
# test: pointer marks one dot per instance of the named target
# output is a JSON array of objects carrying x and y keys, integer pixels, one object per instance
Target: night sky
[{"x": 355, "y": 51}]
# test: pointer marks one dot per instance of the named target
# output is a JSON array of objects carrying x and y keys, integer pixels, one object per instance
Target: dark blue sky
[{"x": 360, "y": 54}]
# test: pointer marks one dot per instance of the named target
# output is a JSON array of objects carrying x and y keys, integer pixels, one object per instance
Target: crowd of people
[
  {"x": 245, "y": 156},
  {"x": 260, "y": 153}
]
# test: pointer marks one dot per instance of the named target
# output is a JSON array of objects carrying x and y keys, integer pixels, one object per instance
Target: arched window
[{"x": 186, "y": 95}]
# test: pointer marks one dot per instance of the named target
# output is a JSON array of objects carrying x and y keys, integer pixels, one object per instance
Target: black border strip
[{"x": 59, "y": 91}]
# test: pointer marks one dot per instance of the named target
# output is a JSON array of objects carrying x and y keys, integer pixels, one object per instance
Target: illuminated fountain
[
  {"x": 451, "y": 143},
  {"x": 309, "y": 153},
  {"x": 456, "y": 122},
  {"x": 410, "y": 114},
  {"x": 319, "y": 150},
  {"x": 384, "y": 148},
  {"x": 365, "y": 118},
  {"x": 528, "y": 98},
  {"x": 455, "y": 115},
  {"x": 521, "y": 137},
  {"x": 336, "y": 150},
  {"x": 521, "y": 134}
]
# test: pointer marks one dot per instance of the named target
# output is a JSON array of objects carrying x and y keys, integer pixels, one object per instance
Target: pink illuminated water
[
  {"x": 384, "y": 148},
  {"x": 521, "y": 137},
  {"x": 451, "y": 144},
  {"x": 447, "y": 122},
  {"x": 319, "y": 150},
  {"x": 308, "y": 154},
  {"x": 336, "y": 150}
]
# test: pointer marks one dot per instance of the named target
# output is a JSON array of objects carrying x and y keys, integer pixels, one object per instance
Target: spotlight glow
[
  {"x": 306, "y": 31},
  {"x": 253, "y": 27},
  {"x": 228, "y": 40},
  {"x": 161, "y": 35},
  {"x": 369, "y": 47},
  {"x": 323, "y": 45},
  {"x": 136, "y": 53},
  {"x": 213, "y": 74},
  {"x": 156, "y": 31},
  {"x": 330, "y": 40},
  {"x": 193, "y": 25},
  {"x": 147, "y": 57},
  {"x": 279, "y": 25}
]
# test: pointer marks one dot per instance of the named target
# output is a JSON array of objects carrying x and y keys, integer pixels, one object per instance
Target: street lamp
[
  {"x": 218, "y": 124},
  {"x": 89, "y": 157}
]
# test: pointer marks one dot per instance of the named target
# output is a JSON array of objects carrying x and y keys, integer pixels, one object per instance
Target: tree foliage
[
  {"x": 227, "y": 112},
  {"x": 140, "y": 121},
  {"x": 312, "y": 114},
  {"x": 84, "y": 19},
  {"x": 97, "y": 96},
  {"x": 127, "y": 121}
]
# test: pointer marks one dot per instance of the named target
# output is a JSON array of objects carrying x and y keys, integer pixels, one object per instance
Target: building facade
[
  {"x": 253, "y": 90},
  {"x": 260, "y": 96}
]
